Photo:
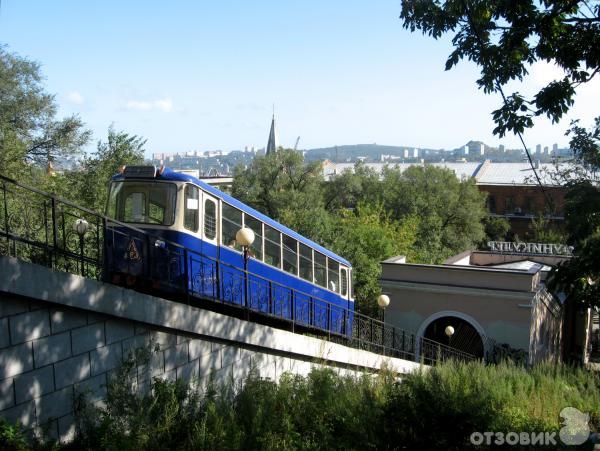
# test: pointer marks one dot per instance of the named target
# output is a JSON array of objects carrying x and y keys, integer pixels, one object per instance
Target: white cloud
[
  {"x": 165, "y": 105},
  {"x": 140, "y": 106},
  {"x": 75, "y": 97}
]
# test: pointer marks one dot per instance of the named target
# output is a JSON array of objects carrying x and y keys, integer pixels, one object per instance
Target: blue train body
[{"x": 186, "y": 243}]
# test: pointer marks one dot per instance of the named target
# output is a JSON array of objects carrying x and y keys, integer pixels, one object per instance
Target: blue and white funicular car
[{"x": 190, "y": 244}]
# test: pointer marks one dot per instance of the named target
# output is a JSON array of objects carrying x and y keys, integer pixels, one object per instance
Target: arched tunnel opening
[{"x": 465, "y": 337}]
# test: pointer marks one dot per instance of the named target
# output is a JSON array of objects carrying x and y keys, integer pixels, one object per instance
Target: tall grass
[
  {"x": 431, "y": 409},
  {"x": 445, "y": 405}
]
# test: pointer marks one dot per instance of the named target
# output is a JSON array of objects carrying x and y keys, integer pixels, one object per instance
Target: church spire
[{"x": 272, "y": 144}]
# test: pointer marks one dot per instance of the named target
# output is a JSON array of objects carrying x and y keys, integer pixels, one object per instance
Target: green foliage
[
  {"x": 286, "y": 189},
  {"x": 503, "y": 352},
  {"x": 348, "y": 189},
  {"x": 120, "y": 149},
  {"x": 29, "y": 129},
  {"x": 434, "y": 408},
  {"x": 496, "y": 228},
  {"x": 544, "y": 231},
  {"x": 450, "y": 211},
  {"x": 270, "y": 182},
  {"x": 445, "y": 405},
  {"x": 88, "y": 185},
  {"x": 367, "y": 236},
  {"x": 579, "y": 278},
  {"x": 505, "y": 38},
  {"x": 11, "y": 437},
  {"x": 423, "y": 212}
]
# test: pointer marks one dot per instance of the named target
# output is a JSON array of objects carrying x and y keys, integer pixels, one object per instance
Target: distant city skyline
[{"x": 204, "y": 76}]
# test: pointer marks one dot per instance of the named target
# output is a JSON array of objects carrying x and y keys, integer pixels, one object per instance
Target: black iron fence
[
  {"x": 41, "y": 228},
  {"x": 595, "y": 337}
]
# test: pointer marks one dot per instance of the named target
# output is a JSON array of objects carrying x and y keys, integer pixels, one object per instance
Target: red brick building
[{"x": 513, "y": 193}]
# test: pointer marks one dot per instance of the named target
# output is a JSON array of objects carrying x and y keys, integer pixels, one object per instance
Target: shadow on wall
[{"x": 50, "y": 354}]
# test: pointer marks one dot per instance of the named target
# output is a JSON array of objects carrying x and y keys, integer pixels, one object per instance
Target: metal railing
[
  {"x": 595, "y": 337},
  {"x": 38, "y": 227}
]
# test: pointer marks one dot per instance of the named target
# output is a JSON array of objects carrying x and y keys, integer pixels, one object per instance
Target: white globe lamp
[
  {"x": 245, "y": 237},
  {"x": 80, "y": 226},
  {"x": 383, "y": 301}
]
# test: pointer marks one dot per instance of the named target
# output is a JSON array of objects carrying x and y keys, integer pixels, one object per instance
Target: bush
[
  {"x": 11, "y": 437},
  {"x": 442, "y": 407},
  {"x": 435, "y": 408}
]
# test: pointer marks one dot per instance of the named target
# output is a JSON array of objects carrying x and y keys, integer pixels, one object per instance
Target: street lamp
[
  {"x": 449, "y": 331},
  {"x": 383, "y": 301},
  {"x": 245, "y": 238},
  {"x": 80, "y": 226}
]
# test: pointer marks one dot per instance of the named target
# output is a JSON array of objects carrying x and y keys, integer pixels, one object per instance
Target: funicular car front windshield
[{"x": 143, "y": 202}]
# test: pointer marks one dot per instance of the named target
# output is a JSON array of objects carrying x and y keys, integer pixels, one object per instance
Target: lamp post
[
  {"x": 383, "y": 301},
  {"x": 80, "y": 226},
  {"x": 449, "y": 331},
  {"x": 245, "y": 238}
]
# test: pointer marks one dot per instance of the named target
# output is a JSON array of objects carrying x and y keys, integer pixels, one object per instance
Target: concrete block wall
[
  {"x": 62, "y": 335},
  {"x": 51, "y": 353}
]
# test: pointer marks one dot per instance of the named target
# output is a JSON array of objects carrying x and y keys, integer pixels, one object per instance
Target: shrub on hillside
[
  {"x": 435, "y": 408},
  {"x": 442, "y": 407}
]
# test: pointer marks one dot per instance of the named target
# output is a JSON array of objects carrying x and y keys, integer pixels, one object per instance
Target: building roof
[
  {"x": 462, "y": 170},
  {"x": 491, "y": 173},
  {"x": 485, "y": 173},
  {"x": 523, "y": 265}
]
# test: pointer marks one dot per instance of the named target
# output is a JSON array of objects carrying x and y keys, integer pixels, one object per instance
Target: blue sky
[{"x": 200, "y": 75}]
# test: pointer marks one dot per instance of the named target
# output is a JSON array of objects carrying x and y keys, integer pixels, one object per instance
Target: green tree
[
  {"x": 29, "y": 129},
  {"x": 496, "y": 228},
  {"x": 120, "y": 149},
  {"x": 545, "y": 231},
  {"x": 580, "y": 277},
  {"x": 504, "y": 38},
  {"x": 351, "y": 187},
  {"x": 451, "y": 211},
  {"x": 88, "y": 184},
  {"x": 366, "y": 237},
  {"x": 363, "y": 218},
  {"x": 285, "y": 188}
]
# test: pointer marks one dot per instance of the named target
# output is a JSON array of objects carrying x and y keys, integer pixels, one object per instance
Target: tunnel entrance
[{"x": 465, "y": 337}]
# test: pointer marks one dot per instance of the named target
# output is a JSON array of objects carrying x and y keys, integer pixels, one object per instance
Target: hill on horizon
[{"x": 353, "y": 151}]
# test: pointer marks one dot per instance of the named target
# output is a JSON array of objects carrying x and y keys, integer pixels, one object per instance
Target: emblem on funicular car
[{"x": 132, "y": 252}]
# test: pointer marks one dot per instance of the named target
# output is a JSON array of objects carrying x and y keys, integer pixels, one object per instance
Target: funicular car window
[
  {"x": 306, "y": 268},
  {"x": 191, "y": 216},
  {"x": 320, "y": 269},
  {"x": 344, "y": 281},
  {"x": 143, "y": 202},
  {"x": 231, "y": 223},
  {"x": 333, "y": 268},
  {"x": 272, "y": 246},
  {"x": 290, "y": 255},
  {"x": 210, "y": 219},
  {"x": 256, "y": 226}
]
